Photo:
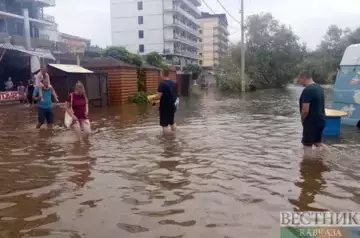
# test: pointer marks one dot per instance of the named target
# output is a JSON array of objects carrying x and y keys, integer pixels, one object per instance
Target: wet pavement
[{"x": 233, "y": 165}]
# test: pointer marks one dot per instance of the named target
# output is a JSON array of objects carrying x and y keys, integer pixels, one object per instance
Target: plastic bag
[{"x": 68, "y": 120}]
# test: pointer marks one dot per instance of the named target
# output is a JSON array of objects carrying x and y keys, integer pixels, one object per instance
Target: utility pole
[{"x": 242, "y": 73}]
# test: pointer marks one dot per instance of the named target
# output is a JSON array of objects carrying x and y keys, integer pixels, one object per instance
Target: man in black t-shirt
[
  {"x": 312, "y": 110},
  {"x": 168, "y": 94}
]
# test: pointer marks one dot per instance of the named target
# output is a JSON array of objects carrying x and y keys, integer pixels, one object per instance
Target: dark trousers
[
  {"x": 167, "y": 116},
  {"x": 45, "y": 115},
  {"x": 312, "y": 134}
]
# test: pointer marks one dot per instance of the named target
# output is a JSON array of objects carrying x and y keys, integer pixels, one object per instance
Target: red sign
[{"x": 9, "y": 96}]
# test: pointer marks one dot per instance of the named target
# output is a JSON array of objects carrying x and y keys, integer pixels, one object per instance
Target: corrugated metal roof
[
  {"x": 39, "y": 54},
  {"x": 8, "y": 46},
  {"x": 69, "y": 68}
]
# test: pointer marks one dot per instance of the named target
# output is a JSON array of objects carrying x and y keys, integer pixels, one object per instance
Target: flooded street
[{"x": 234, "y": 164}]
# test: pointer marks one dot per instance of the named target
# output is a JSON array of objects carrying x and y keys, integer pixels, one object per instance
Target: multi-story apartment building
[
  {"x": 169, "y": 27},
  {"x": 214, "y": 39},
  {"x": 43, "y": 28}
]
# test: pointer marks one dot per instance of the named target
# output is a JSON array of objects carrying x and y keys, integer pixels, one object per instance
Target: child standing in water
[{"x": 39, "y": 78}]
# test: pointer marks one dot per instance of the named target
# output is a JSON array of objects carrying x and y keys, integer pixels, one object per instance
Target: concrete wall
[
  {"x": 50, "y": 33},
  {"x": 208, "y": 52},
  {"x": 125, "y": 27}
]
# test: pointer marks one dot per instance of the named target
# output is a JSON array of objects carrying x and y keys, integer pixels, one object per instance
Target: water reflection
[
  {"x": 235, "y": 162},
  {"x": 311, "y": 183},
  {"x": 81, "y": 164}
]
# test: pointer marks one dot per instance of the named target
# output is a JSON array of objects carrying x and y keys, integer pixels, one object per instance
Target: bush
[
  {"x": 141, "y": 79},
  {"x": 140, "y": 98},
  {"x": 194, "y": 69},
  {"x": 121, "y": 53},
  {"x": 156, "y": 60}
]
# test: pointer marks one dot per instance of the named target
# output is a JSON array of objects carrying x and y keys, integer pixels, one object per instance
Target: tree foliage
[
  {"x": 121, "y": 53},
  {"x": 194, "y": 69},
  {"x": 273, "y": 51},
  {"x": 273, "y": 55},
  {"x": 324, "y": 61},
  {"x": 156, "y": 60}
]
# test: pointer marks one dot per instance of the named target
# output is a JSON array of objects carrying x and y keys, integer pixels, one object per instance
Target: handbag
[{"x": 68, "y": 120}]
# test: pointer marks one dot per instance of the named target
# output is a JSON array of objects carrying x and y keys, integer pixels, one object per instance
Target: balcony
[
  {"x": 184, "y": 40},
  {"x": 184, "y": 13},
  {"x": 183, "y": 27},
  {"x": 42, "y": 3},
  {"x": 35, "y": 43},
  {"x": 4, "y": 37},
  {"x": 191, "y": 5},
  {"x": 183, "y": 53},
  {"x": 41, "y": 22},
  {"x": 196, "y": 2},
  {"x": 221, "y": 37},
  {"x": 223, "y": 29},
  {"x": 48, "y": 18}
]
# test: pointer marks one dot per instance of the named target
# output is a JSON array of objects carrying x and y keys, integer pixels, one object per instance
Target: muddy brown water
[{"x": 233, "y": 165}]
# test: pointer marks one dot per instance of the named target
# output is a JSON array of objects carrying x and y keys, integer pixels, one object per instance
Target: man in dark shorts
[
  {"x": 168, "y": 95},
  {"x": 312, "y": 110},
  {"x": 45, "y": 107}
]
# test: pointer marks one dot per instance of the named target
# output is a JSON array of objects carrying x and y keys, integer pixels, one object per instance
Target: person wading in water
[
  {"x": 168, "y": 94},
  {"x": 312, "y": 110},
  {"x": 45, "y": 107},
  {"x": 77, "y": 106}
]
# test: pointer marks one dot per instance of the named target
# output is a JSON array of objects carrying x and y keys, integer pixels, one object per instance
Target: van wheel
[{"x": 358, "y": 125}]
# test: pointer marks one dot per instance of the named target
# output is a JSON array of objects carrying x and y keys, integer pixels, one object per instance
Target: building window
[
  {"x": 200, "y": 62},
  {"x": 200, "y": 31},
  {"x": 140, "y": 20},
  {"x": 141, "y": 34},
  {"x": 141, "y": 48},
  {"x": 140, "y": 5}
]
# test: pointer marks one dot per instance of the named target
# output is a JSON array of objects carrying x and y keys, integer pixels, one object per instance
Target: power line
[
  {"x": 207, "y": 5},
  {"x": 232, "y": 33},
  {"x": 227, "y": 12}
]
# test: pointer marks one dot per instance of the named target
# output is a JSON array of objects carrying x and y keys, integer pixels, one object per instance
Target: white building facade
[
  {"x": 43, "y": 28},
  {"x": 214, "y": 39},
  {"x": 169, "y": 27}
]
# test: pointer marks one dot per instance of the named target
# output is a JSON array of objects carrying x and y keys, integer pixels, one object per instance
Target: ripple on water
[{"x": 229, "y": 170}]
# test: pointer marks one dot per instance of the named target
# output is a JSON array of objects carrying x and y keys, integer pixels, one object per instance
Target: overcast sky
[{"x": 308, "y": 18}]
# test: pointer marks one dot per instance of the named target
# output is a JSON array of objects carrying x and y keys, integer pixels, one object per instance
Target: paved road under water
[{"x": 233, "y": 165}]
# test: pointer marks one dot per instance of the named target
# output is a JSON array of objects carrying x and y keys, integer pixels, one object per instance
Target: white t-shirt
[
  {"x": 9, "y": 85},
  {"x": 39, "y": 78}
]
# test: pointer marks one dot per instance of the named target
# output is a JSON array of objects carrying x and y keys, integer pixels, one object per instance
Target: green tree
[
  {"x": 324, "y": 61},
  {"x": 194, "y": 69},
  {"x": 273, "y": 51},
  {"x": 273, "y": 55},
  {"x": 156, "y": 60},
  {"x": 121, "y": 53}
]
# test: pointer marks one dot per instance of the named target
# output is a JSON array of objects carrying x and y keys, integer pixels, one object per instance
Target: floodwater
[{"x": 234, "y": 164}]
